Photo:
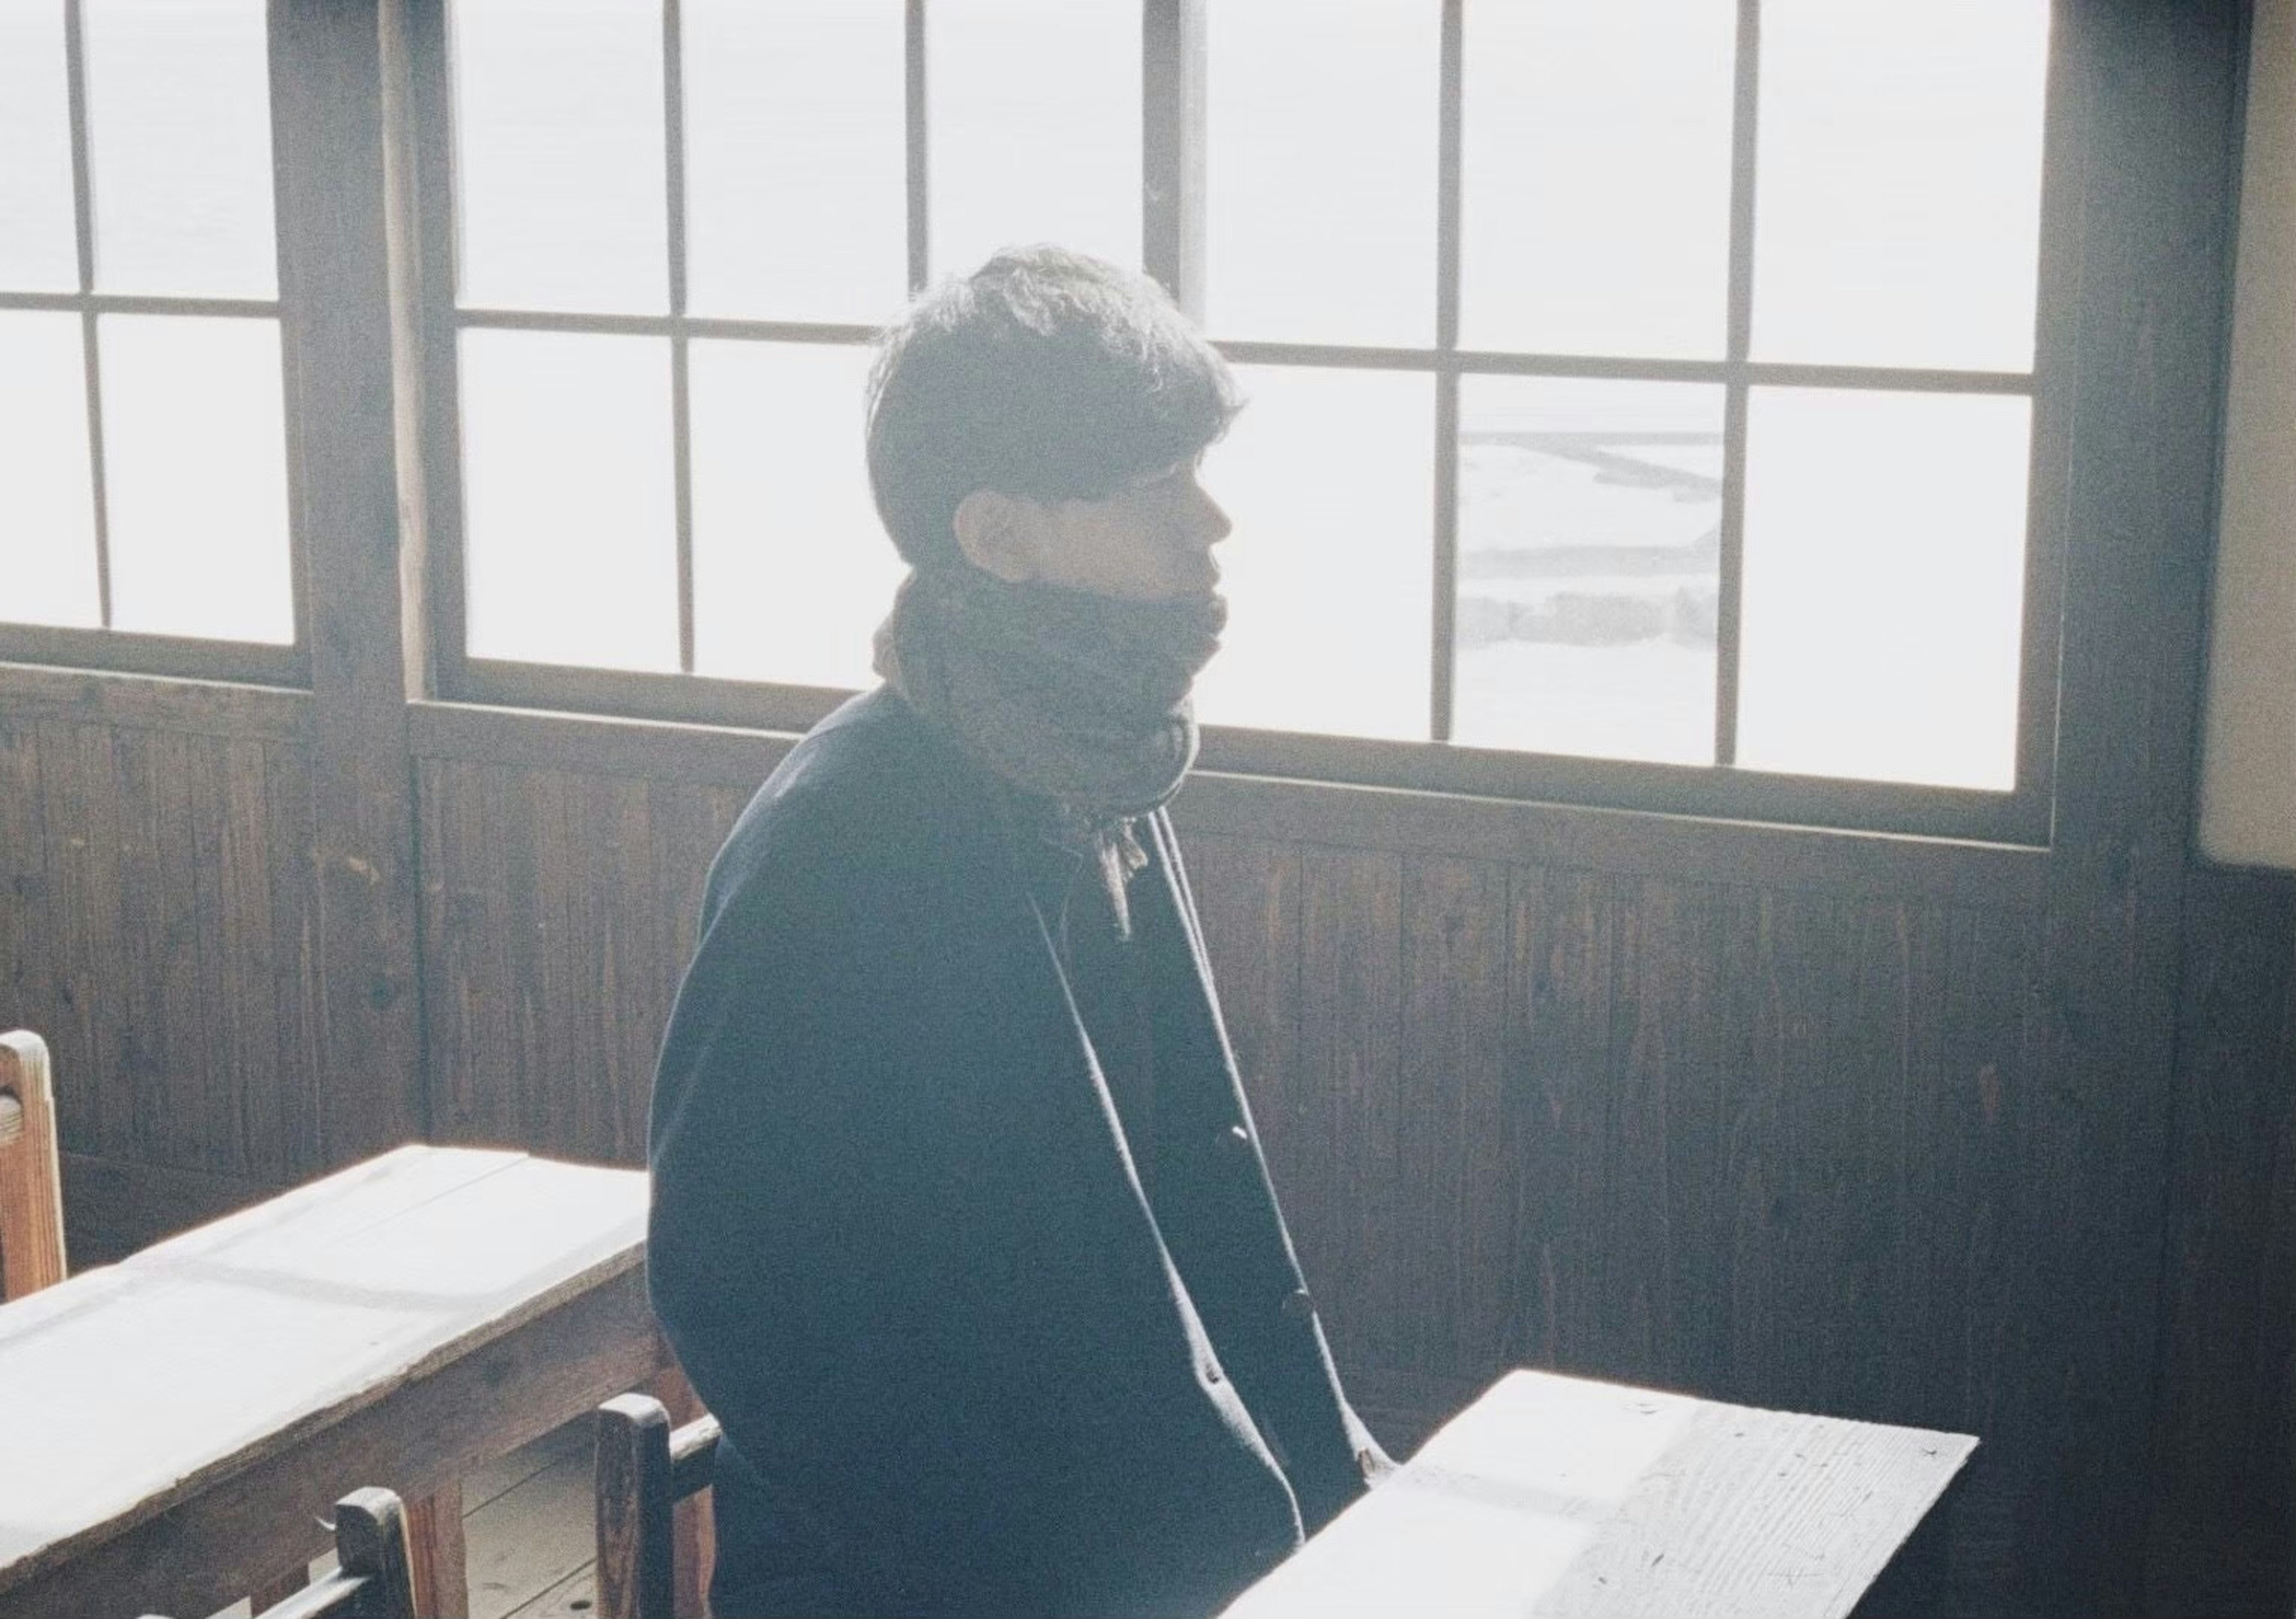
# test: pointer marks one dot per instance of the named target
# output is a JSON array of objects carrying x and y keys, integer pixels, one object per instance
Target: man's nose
[{"x": 1212, "y": 519}]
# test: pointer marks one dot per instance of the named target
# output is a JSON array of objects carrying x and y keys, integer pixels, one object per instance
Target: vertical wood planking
[
  {"x": 290, "y": 835},
  {"x": 1564, "y": 958},
  {"x": 88, "y": 957},
  {"x": 161, "y": 879},
  {"x": 1349, "y": 1073},
  {"x": 560, "y": 910},
  {"x": 1248, "y": 894},
  {"x": 145, "y": 947},
  {"x": 2221, "y": 1429},
  {"x": 2146, "y": 322},
  {"x": 461, "y": 986},
  {"x": 24, "y": 902},
  {"x": 1455, "y": 1176}
]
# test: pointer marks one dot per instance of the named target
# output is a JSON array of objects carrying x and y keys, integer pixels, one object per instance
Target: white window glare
[
  {"x": 1329, "y": 477},
  {"x": 569, "y": 506},
  {"x": 559, "y": 177},
  {"x": 1596, "y": 216},
  {"x": 1033, "y": 128},
  {"x": 796, "y": 206},
  {"x": 47, "y": 507},
  {"x": 1320, "y": 163},
  {"x": 195, "y": 476},
  {"x": 1898, "y": 197},
  {"x": 792, "y": 572},
  {"x": 37, "y": 253},
  {"x": 179, "y": 147},
  {"x": 1884, "y": 585}
]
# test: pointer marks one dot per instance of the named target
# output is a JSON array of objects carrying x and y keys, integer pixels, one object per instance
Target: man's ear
[{"x": 993, "y": 531}]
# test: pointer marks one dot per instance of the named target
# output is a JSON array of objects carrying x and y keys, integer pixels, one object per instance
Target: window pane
[
  {"x": 1320, "y": 155},
  {"x": 558, "y": 149},
  {"x": 1330, "y": 477},
  {"x": 1589, "y": 565},
  {"x": 568, "y": 510},
  {"x": 796, "y": 199},
  {"x": 1596, "y": 168},
  {"x": 47, "y": 508},
  {"x": 1034, "y": 127},
  {"x": 1884, "y": 585},
  {"x": 37, "y": 250},
  {"x": 792, "y": 573},
  {"x": 195, "y": 476},
  {"x": 179, "y": 146},
  {"x": 1899, "y": 207}
]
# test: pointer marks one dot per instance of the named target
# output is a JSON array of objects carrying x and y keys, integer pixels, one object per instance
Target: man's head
[{"x": 1042, "y": 419}]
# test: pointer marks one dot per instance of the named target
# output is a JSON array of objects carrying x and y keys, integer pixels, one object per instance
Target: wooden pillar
[
  {"x": 339, "y": 191},
  {"x": 334, "y": 184}
]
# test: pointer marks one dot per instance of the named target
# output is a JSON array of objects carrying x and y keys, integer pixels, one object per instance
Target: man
[{"x": 960, "y": 1226}]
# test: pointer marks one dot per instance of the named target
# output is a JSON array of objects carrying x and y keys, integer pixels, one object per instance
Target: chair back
[
  {"x": 31, "y": 1181},
  {"x": 644, "y": 1468},
  {"x": 375, "y": 1576}
]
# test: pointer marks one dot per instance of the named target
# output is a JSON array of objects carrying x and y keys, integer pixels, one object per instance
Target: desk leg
[
  {"x": 434, "y": 1541},
  {"x": 692, "y": 1538}
]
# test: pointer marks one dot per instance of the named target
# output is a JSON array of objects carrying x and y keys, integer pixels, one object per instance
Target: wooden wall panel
[
  {"x": 2221, "y": 1530},
  {"x": 1349, "y": 1078},
  {"x": 1455, "y": 1126},
  {"x": 157, "y": 935},
  {"x": 1702, "y": 1135},
  {"x": 559, "y": 910}
]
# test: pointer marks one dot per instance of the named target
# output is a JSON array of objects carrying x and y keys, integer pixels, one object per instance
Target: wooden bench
[
  {"x": 1559, "y": 1496},
  {"x": 203, "y": 1404}
]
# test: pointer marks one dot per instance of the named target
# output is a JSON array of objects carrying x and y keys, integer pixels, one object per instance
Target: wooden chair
[
  {"x": 31, "y": 1183},
  {"x": 375, "y": 1578},
  {"x": 644, "y": 1468}
]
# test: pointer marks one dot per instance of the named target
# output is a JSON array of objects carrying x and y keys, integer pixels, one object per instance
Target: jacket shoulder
[{"x": 873, "y": 788}]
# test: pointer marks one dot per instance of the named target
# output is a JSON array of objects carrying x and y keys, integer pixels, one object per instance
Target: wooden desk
[
  {"x": 176, "y": 1428},
  {"x": 1556, "y": 1495}
]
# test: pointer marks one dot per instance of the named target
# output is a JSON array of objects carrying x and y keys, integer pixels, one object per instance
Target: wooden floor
[{"x": 526, "y": 1520}]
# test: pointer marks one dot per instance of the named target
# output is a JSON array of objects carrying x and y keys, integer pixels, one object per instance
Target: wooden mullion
[
  {"x": 1172, "y": 149},
  {"x": 918, "y": 147},
  {"x": 291, "y": 334},
  {"x": 673, "y": 111},
  {"x": 84, "y": 251},
  {"x": 1730, "y": 585},
  {"x": 655, "y": 325},
  {"x": 431, "y": 95},
  {"x": 140, "y": 303},
  {"x": 1450, "y": 97}
]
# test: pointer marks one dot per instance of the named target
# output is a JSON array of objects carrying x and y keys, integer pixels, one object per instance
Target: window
[
  {"x": 143, "y": 444},
  {"x": 1642, "y": 395}
]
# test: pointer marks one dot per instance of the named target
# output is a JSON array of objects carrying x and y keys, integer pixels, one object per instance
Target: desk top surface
[
  {"x": 128, "y": 1389},
  {"x": 1556, "y": 1495}
]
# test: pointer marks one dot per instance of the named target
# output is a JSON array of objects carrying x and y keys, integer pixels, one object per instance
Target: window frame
[
  {"x": 1173, "y": 49},
  {"x": 138, "y": 651}
]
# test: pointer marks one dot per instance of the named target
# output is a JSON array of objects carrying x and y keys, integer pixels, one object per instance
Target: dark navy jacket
[{"x": 962, "y": 1364}]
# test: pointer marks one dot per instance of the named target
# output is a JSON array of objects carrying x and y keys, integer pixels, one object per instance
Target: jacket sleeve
[{"x": 899, "y": 1251}]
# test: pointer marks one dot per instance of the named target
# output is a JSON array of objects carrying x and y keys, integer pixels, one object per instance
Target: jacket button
[{"x": 1298, "y": 1305}]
